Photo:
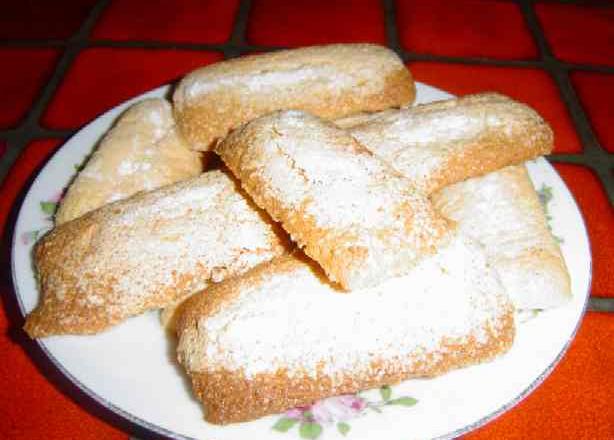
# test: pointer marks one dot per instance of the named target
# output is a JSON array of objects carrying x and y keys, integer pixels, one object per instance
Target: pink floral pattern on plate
[{"x": 337, "y": 410}]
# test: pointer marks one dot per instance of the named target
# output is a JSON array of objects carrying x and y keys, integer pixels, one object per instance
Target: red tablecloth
[{"x": 65, "y": 62}]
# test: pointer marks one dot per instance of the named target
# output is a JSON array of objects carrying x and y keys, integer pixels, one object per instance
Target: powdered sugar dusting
[
  {"x": 269, "y": 81},
  {"x": 346, "y": 187},
  {"x": 161, "y": 121},
  {"x": 175, "y": 238},
  {"x": 502, "y": 211},
  {"x": 361, "y": 68},
  {"x": 285, "y": 321},
  {"x": 419, "y": 141},
  {"x": 127, "y": 167},
  {"x": 345, "y": 190}
]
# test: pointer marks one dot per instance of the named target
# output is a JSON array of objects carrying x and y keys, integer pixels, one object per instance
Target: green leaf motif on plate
[
  {"x": 284, "y": 424},
  {"x": 336, "y": 411},
  {"x": 386, "y": 392},
  {"x": 48, "y": 207},
  {"x": 404, "y": 401},
  {"x": 310, "y": 430},
  {"x": 545, "y": 196},
  {"x": 343, "y": 428}
]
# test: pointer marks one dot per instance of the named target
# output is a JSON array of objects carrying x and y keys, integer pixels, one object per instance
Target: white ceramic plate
[{"x": 131, "y": 370}]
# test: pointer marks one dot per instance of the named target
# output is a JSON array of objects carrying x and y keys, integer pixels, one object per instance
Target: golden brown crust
[
  {"x": 351, "y": 212},
  {"x": 170, "y": 314},
  {"x": 231, "y": 395},
  {"x": 147, "y": 252},
  {"x": 441, "y": 143},
  {"x": 330, "y": 81}
]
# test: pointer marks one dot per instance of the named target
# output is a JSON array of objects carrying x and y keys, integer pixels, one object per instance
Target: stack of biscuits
[{"x": 348, "y": 240}]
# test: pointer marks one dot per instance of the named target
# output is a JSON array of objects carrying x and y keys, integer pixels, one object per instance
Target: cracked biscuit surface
[{"x": 350, "y": 211}]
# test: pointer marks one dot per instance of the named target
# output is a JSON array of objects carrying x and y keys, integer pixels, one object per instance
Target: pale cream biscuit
[
  {"x": 141, "y": 152},
  {"x": 502, "y": 211},
  {"x": 441, "y": 143},
  {"x": 282, "y": 336},
  {"x": 330, "y": 81}
]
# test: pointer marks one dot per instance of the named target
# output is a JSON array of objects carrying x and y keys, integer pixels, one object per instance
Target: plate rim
[{"x": 159, "y": 430}]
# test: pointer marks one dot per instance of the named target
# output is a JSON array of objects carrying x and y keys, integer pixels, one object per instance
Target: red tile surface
[
  {"x": 191, "y": 21},
  {"x": 296, "y": 23},
  {"x": 101, "y": 78},
  {"x": 23, "y": 73},
  {"x": 531, "y": 86},
  {"x": 575, "y": 401},
  {"x": 35, "y": 19},
  {"x": 599, "y": 216},
  {"x": 32, "y": 407},
  {"x": 596, "y": 92},
  {"x": 476, "y": 28},
  {"x": 579, "y": 33}
]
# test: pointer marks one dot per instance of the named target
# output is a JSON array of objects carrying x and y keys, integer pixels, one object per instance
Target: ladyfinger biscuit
[
  {"x": 351, "y": 212},
  {"x": 502, "y": 211},
  {"x": 142, "y": 151},
  {"x": 330, "y": 81},
  {"x": 352, "y": 121},
  {"x": 262, "y": 343},
  {"x": 438, "y": 144},
  {"x": 146, "y": 252}
]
